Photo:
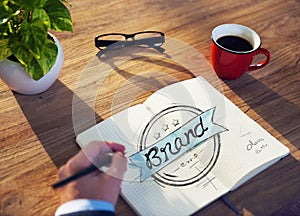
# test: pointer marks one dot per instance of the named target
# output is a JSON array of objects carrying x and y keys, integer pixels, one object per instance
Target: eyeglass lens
[
  {"x": 142, "y": 39},
  {"x": 148, "y": 39},
  {"x": 113, "y": 41}
]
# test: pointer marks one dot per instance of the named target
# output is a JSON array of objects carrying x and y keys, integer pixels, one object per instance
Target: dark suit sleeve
[{"x": 91, "y": 213}]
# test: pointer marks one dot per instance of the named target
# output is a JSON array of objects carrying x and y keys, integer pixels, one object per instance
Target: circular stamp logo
[{"x": 196, "y": 162}]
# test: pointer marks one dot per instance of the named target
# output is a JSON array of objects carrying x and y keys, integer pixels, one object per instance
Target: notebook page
[
  {"x": 150, "y": 198},
  {"x": 163, "y": 193},
  {"x": 242, "y": 132},
  {"x": 123, "y": 127},
  {"x": 202, "y": 174},
  {"x": 246, "y": 146}
]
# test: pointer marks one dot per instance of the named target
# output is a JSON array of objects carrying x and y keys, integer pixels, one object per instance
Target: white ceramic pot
[{"x": 14, "y": 75}]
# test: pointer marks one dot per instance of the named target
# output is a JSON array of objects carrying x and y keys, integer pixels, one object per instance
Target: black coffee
[{"x": 234, "y": 43}]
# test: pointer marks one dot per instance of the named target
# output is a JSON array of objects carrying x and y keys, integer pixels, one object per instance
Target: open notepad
[{"x": 187, "y": 146}]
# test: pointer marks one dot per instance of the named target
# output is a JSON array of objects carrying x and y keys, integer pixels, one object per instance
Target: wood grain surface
[{"x": 37, "y": 132}]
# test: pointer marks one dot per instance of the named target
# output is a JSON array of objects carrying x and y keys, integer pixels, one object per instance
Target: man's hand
[{"x": 96, "y": 185}]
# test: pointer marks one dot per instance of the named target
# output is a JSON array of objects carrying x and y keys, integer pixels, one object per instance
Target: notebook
[{"x": 187, "y": 145}]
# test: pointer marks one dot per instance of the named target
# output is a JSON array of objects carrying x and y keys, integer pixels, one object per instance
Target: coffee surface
[{"x": 235, "y": 43}]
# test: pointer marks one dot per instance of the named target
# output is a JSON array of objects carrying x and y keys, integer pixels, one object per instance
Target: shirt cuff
[{"x": 84, "y": 205}]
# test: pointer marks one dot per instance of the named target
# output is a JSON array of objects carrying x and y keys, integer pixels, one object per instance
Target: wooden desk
[{"x": 37, "y": 134}]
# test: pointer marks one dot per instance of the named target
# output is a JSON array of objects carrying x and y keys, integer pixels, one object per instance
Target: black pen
[{"x": 90, "y": 169}]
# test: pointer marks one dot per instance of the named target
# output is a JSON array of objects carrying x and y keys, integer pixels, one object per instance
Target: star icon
[
  {"x": 175, "y": 122},
  {"x": 165, "y": 127},
  {"x": 156, "y": 135}
]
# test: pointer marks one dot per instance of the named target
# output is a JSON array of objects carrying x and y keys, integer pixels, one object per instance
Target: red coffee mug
[{"x": 233, "y": 49}]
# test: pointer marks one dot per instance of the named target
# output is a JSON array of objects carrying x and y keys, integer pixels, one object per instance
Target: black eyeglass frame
[{"x": 140, "y": 43}]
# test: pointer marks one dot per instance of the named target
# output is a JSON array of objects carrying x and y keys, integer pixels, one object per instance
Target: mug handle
[{"x": 262, "y": 63}]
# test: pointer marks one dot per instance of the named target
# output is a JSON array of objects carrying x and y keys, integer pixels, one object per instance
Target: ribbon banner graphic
[{"x": 190, "y": 135}]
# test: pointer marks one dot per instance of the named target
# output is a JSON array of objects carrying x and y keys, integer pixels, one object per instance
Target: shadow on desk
[
  {"x": 50, "y": 117},
  {"x": 271, "y": 192},
  {"x": 278, "y": 186},
  {"x": 282, "y": 114}
]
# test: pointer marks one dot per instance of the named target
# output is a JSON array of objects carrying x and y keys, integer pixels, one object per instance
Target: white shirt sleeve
[{"x": 84, "y": 205}]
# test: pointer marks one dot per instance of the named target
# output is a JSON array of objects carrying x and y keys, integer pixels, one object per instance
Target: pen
[{"x": 83, "y": 172}]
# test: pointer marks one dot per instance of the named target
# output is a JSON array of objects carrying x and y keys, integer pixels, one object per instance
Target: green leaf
[
  {"x": 7, "y": 11},
  {"x": 5, "y": 50},
  {"x": 20, "y": 51},
  {"x": 37, "y": 68},
  {"x": 4, "y": 31},
  {"x": 48, "y": 56},
  {"x": 4, "y": 9},
  {"x": 59, "y": 15},
  {"x": 34, "y": 35},
  {"x": 34, "y": 69},
  {"x": 41, "y": 15},
  {"x": 30, "y": 4},
  {"x": 3, "y": 20}
]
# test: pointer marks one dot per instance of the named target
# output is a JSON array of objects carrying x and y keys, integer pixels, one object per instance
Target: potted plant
[{"x": 31, "y": 57}]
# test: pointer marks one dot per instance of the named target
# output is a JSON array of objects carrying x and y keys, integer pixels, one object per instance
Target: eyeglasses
[{"x": 145, "y": 39}]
